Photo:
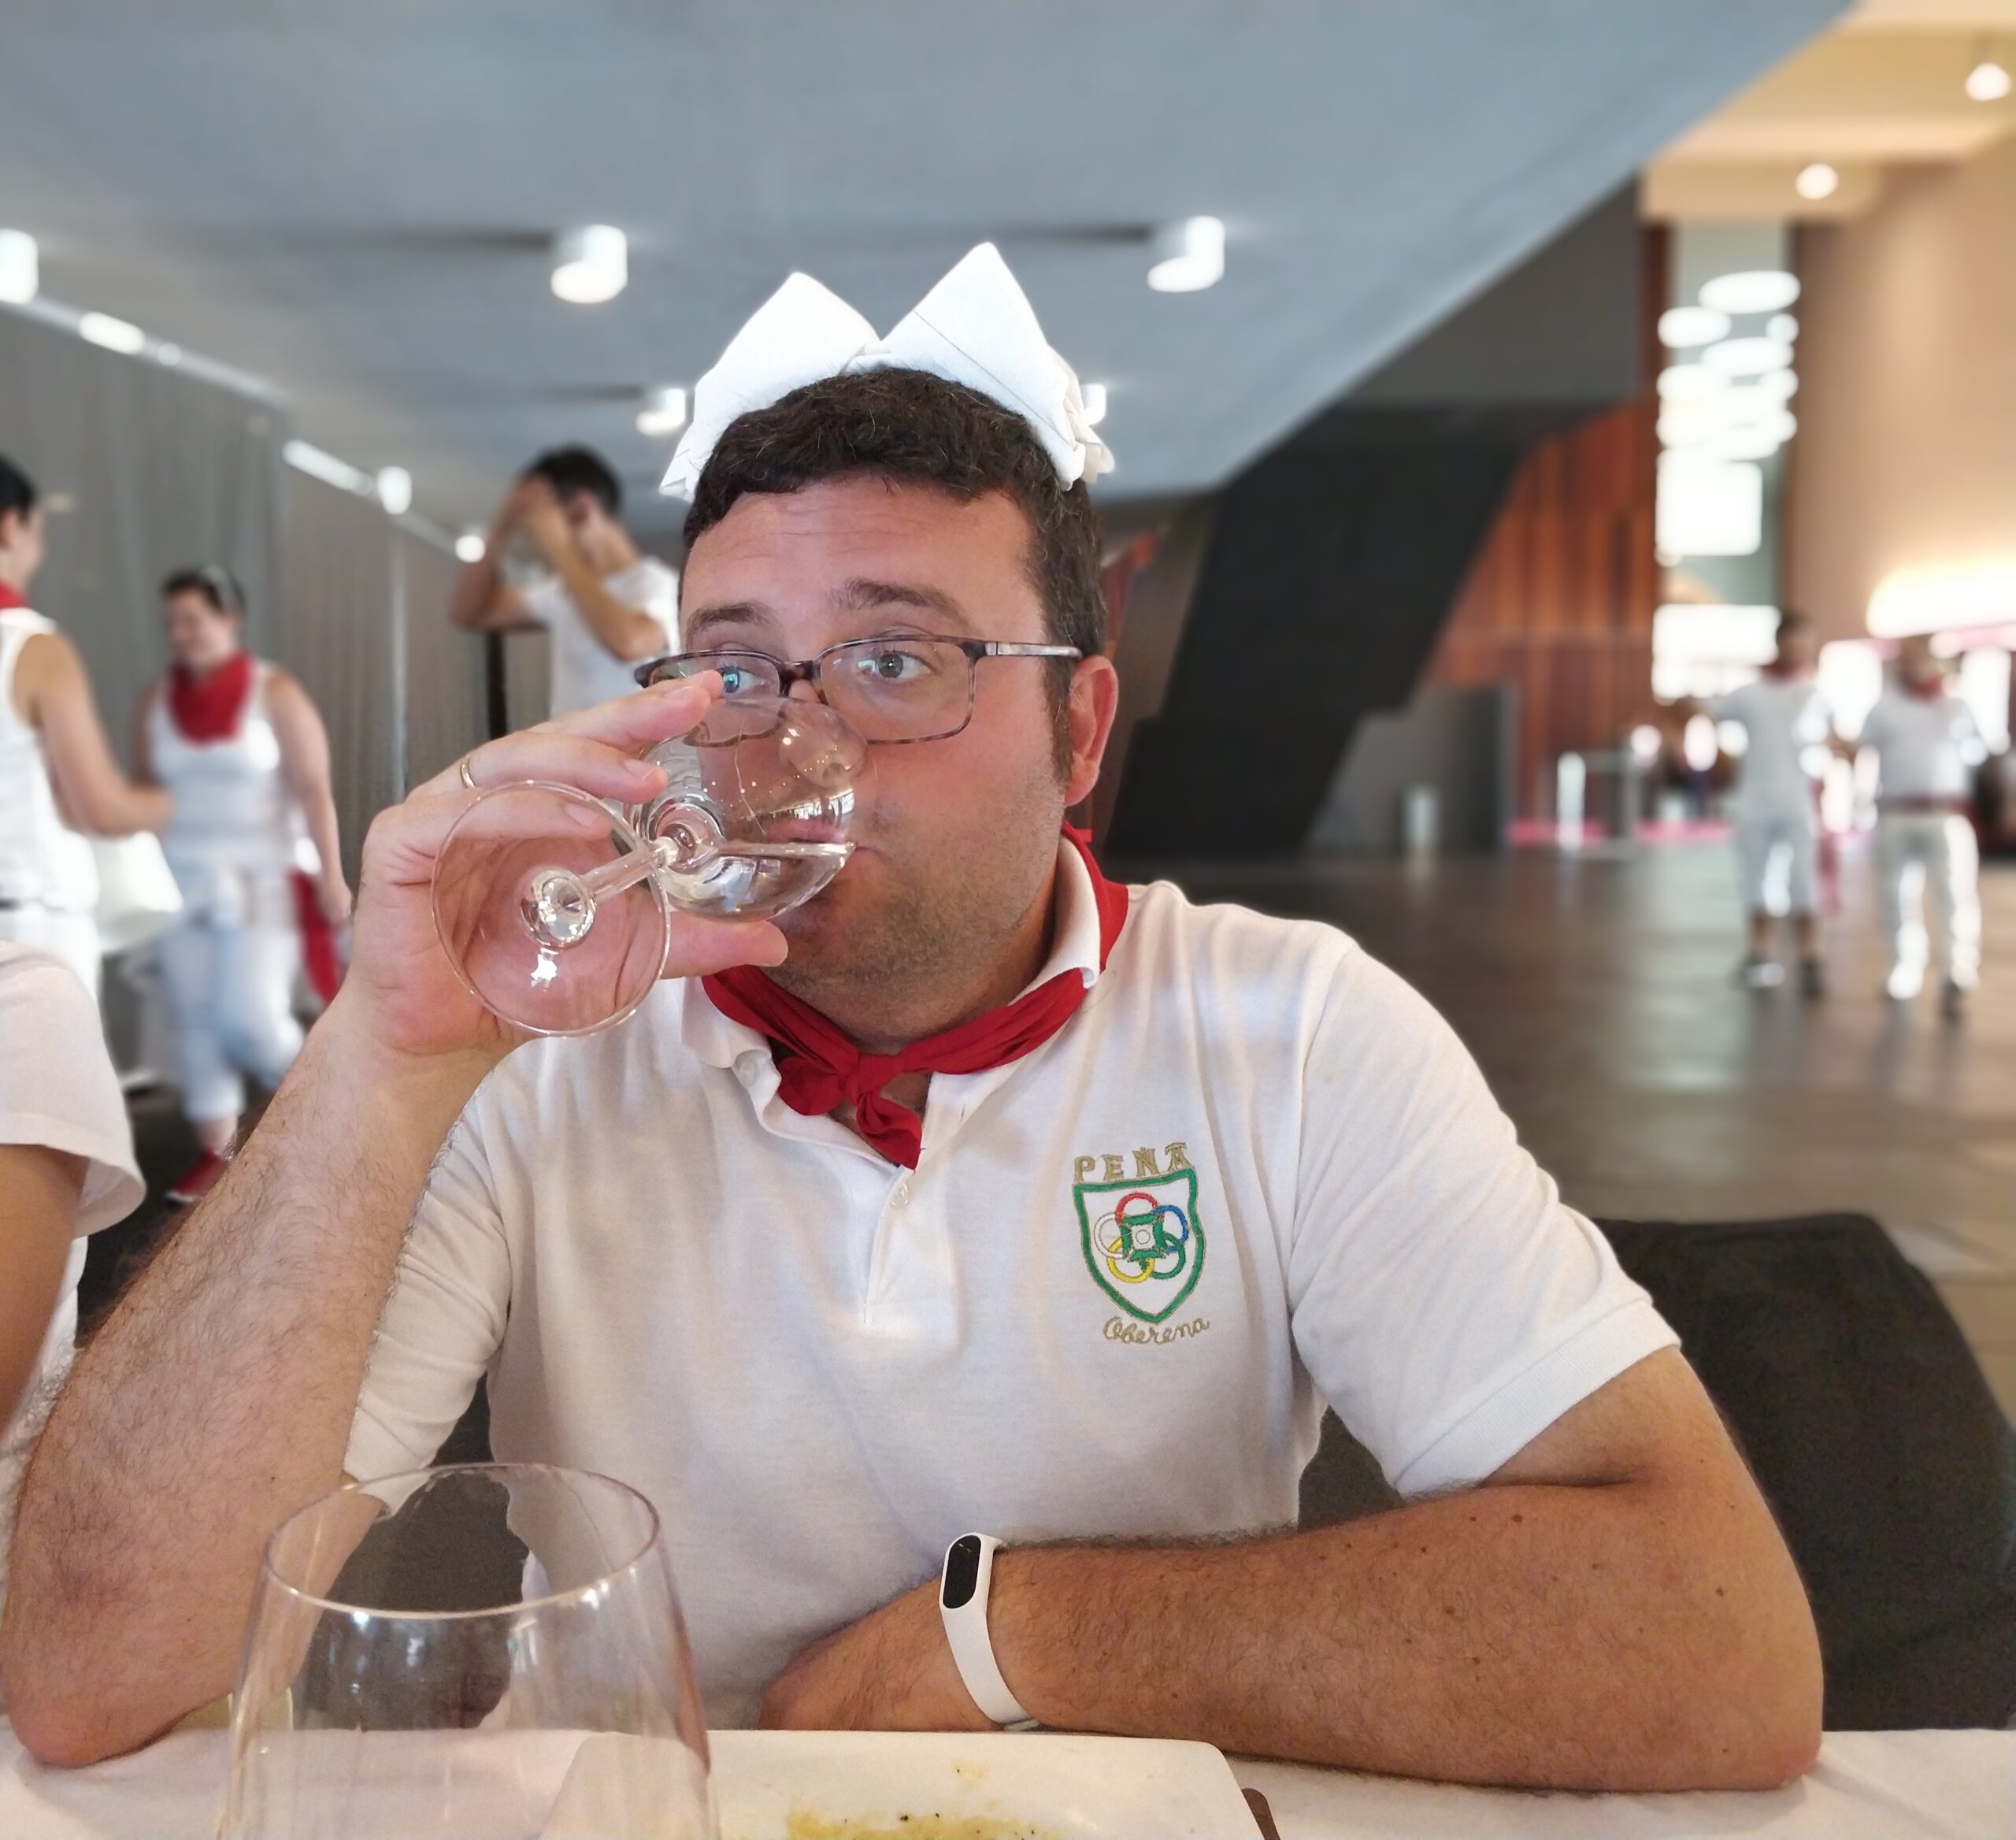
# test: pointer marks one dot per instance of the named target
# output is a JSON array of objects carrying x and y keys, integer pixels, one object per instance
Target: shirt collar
[{"x": 712, "y": 1038}]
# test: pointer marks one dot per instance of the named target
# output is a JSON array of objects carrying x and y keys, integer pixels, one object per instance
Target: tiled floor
[{"x": 1596, "y": 993}]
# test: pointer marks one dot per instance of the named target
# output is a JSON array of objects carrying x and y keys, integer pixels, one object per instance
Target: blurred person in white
[
  {"x": 844, "y": 1262},
  {"x": 57, "y": 775},
  {"x": 241, "y": 749},
  {"x": 606, "y": 606},
  {"x": 66, "y": 1170},
  {"x": 1784, "y": 719},
  {"x": 1928, "y": 746}
]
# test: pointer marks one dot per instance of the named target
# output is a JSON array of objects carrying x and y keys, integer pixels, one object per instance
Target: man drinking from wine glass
[{"x": 1002, "y": 1204}]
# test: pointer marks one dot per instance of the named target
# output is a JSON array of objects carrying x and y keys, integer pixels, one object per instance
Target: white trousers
[
  {"x": 1930, "y": 864},
  {"x": 1776, "y": 859},
  {"x": 229, "y": 984},
  {"x": 72, "y": 937}
]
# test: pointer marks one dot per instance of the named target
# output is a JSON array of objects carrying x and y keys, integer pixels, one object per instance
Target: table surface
[{"x": 1867, "y": 1785}]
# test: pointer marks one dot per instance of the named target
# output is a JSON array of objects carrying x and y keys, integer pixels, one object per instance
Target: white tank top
[
  {"x": 41, "y": 859},
  {"x": 232, "y": 807}
]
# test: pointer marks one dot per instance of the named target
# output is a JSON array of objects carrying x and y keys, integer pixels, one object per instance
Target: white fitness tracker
[{"x": 962, "y": 1592}]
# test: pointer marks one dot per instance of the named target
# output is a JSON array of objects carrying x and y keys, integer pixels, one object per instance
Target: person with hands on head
[
  {"x": 1014, "y": 1205},
  {"x": 606, "y": 606},
  {"x": 57, "y": 775},
  {"x": 240, "y": 747}
]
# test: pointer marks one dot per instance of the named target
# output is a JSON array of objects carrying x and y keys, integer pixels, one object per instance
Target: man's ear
[{"x": 1094, "y": 701}]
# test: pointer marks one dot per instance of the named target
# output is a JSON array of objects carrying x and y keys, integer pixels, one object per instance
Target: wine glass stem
[{"x": 626, "y": 871}]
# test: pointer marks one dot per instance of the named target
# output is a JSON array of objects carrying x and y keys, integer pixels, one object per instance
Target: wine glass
[
  {"x": 555, "y": 909},
  {"x": 491, "y": 1649}
]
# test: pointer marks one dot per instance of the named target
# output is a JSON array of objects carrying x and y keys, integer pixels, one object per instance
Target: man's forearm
[
  {"x": 624, "y": 630},
  {"x": 1551, "y": 1636},
  {"x": 216, "y": 1401},
  {"x": 477, "y": 585}
]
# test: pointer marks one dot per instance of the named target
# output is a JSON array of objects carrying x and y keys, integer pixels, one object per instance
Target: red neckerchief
[
  {"x": 207, "y": 709},
  {"x": 10, "y": 597},
  {"x": 1932, "y": 692},
  {"x": 819, "y": 1068}
]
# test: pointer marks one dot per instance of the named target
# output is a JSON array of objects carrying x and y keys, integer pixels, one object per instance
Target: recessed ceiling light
[
  {"x": 469, "y": 547},
  {"x": 1095, "y": 400},
  {"x": 1817, "y": 181},
  {"x": 1748, "y": 358},
  {"x": 1781, "y": 326},
  {"x": 167, "y": 354},
  {"x": 1751, "y": 291},
  {"x": 1189, "y": 255},
  {"x": 662, "y": 412},
  {"x": 591, "y": 263},
  {"x": 1988, "y": 82},
  {"x": 20, "y": 267},
  {"x": 102, "y": 328},
  {"x": 1680, "y": 326},
  {"x": 395, "y": 489}
]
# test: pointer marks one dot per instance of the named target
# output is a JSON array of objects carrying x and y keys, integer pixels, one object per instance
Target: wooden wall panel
[{"x": 1559, "y": 602}]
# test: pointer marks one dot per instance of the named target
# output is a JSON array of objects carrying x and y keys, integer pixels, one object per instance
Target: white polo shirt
[
  {"x": 1926, "y": 747},
  {"x": 1785, "y": 722},
  {"x": 583, "y": 671},
  {"x": 1255, "y": 1171}
]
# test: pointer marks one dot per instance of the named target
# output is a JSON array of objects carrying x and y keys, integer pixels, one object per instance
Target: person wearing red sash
[
  {"x": 982, "y": 1197},
  {"x": 253, "y": 843},
  {"x": 58, "y": 779}
]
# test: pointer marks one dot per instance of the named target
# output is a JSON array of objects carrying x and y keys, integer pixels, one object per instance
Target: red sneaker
[{"x": 196, "y": 1181}]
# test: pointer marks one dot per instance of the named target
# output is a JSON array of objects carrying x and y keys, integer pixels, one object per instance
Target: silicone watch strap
[{"x": 962, "y": 1595}]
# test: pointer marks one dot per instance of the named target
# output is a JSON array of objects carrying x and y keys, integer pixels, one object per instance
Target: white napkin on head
[{"x": 975, "y": 328}]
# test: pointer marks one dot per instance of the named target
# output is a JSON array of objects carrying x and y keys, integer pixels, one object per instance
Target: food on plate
[{"x": 800, "y": 1825}]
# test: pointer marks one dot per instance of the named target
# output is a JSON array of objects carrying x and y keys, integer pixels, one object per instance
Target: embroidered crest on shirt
[{"x": 1143, "y": 1241}]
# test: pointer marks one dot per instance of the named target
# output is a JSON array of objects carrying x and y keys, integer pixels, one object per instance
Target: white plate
[{"x": 1047, "y": 1784}]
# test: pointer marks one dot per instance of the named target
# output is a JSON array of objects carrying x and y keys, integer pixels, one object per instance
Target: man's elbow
[
  {"x": 68, "y": 1735},
  {"x": 66, "y": 1720},
  {"x": 1760, "y": 1723}
]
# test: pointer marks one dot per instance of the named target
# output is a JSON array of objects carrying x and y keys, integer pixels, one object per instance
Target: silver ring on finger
[{"x": 467, "y": 777}]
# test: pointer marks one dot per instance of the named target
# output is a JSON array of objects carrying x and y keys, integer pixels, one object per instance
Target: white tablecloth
[{"x": 1868, "y": 1785}]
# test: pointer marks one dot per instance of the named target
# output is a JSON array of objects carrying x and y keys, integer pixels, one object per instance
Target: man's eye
[{"x": 893, "y": 665}]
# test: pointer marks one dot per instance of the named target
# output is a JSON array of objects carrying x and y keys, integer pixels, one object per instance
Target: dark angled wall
[{"x": 1333, "y": 561}]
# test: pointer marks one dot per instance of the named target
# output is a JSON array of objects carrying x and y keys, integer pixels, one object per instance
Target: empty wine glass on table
[
  {"x": 555, "y": 909},
  {"x": 482, "y": 1650}
]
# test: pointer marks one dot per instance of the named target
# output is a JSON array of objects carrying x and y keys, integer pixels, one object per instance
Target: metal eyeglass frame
[{"x": 805, "y": 670}]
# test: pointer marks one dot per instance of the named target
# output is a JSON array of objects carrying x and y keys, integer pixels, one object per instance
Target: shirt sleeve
[
  {"x": 544, "y": 599},
  {"x": 62, "y": 1093},
  {"x": 661, "y": 599},
  {"x": 442, "y": 1321},
  {"x": 1445, "y": 1301}
]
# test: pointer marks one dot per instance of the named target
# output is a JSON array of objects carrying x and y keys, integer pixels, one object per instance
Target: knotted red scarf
[
  {"x": 10, "y": 597},
  {"x": 820, "y": 1067},
  {"x": 207, "y": 708}
]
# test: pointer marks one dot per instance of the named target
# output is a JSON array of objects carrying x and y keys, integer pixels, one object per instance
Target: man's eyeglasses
[{"x": 908, "y": 687}]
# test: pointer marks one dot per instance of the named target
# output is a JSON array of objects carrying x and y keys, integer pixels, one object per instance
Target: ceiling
[
  {"x": 353, "y": 203},
  {"x": 1882, "y": 91}
]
